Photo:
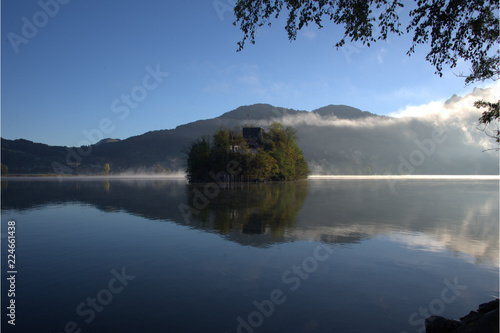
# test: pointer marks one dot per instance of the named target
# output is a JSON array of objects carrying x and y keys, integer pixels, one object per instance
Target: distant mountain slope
[
  {"x": 24, "y": 156},
  {"x": 266, "y": 112},
  {"x": 258, "y": 112},
  {"x": 343, "y": 112},
  {"x": 335, "y": 139}
]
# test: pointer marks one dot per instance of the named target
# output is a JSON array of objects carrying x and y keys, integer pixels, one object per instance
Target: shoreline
[
  {"x": 483, "y": 320},
  {"x": 312, "y": 177}
]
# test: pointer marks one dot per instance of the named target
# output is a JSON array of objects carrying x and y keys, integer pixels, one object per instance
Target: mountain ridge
[{"x": 335, "y": 139}]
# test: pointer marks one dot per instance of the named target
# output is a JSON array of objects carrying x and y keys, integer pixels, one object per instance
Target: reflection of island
[
  {"x": 251, "y": 208},
  {"x": 440, "y": 216}
]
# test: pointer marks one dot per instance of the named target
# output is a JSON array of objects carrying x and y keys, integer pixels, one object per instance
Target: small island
[{"x": 252, "y": 154}]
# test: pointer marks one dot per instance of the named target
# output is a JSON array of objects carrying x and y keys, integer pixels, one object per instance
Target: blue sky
[{"x": 123, "y": 68}]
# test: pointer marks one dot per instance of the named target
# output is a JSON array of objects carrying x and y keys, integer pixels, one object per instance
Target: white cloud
[
  {"x": 380, "y": 55},
  {"x": 456, "y": 115},
  {"x": 217, "y": 87},
  {"x": 456, "y": 105},
  {"x": 309, "y": 34},
  {"x": 404, "y": 93},
  {"x": 250, "y": 79},
  {"x": 231, "y": 79},
  {"x": 434, "y": 107},
  {"x": 457, "y": 112}
]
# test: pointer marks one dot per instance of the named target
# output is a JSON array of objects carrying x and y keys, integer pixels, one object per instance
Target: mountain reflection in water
[{"x": 432, "y": 215}]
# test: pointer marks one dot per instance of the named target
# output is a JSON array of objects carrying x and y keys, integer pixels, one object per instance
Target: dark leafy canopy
[
  {"x": 459, "y": 29},
  {"x": 354, "y": 15},
  {"x": 455, "y": 30}
]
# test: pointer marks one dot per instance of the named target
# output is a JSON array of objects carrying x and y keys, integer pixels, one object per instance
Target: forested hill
[{"x": 335, "y": 139}]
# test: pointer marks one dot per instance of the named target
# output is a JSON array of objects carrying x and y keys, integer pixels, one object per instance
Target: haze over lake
[{"x": 322, "y": 255}]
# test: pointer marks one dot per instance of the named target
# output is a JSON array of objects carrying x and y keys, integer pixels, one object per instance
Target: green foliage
[
  {"x": 278, "y": 158},
  {"x": 5, "y": 169},
  {"x": 263, "y": 165},
  {"x": 284, "y": 149},
  {"x": 199, "y": 161},
  {"x": 105, "y": 169},
  {"x": 301, "y": 167},
  {"x": 220, "y": 151}
]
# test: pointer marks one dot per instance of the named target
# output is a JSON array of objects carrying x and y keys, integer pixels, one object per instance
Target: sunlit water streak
[{"x": 408, "y": 177}]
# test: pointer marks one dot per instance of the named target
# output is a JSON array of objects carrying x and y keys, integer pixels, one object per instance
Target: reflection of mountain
[
  {"x": 432, "y": 215},
  {"x": 152, "y": 199},
  {"x": 460, "y": 216}
]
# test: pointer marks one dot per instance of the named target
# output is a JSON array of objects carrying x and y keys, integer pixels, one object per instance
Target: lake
[{"x": 322, "y": 255}]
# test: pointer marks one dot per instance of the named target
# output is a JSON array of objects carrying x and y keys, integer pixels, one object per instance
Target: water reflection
[
  {"x": 252, "y": 209},
  {"x": 447, "y": 215}
]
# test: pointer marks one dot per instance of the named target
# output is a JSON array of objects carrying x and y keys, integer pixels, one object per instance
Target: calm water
[{"x": 321, "y": 255}]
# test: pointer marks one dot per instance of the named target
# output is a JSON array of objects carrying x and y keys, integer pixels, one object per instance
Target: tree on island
[
  {"x": 105, "y": 169},
  {"x": 159, "y": 169},
  {"x": 455, "y": 30},
  {"x": 275, "y": 157},
  {"x": 5, "y": 170}
]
